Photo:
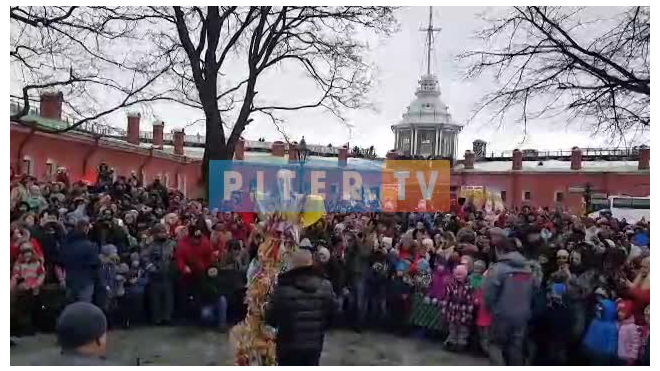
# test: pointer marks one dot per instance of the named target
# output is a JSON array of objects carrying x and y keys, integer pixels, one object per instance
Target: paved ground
[{"x": 185, "y": 346}]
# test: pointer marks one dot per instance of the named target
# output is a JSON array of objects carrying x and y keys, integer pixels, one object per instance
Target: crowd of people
[{"x": 525, "y": 286}]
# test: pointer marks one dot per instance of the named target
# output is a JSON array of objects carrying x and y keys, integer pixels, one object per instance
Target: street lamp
[
  {"x": 303, "y": 151},
  {"x": 587, "y": 197}
]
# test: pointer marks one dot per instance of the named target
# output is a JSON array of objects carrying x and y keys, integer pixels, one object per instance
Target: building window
[
  {"x": 405, "y": 141},
  {"x": 503, "y": 196},
  {"x": 426, "y": 142},
  {"x": 28, "y": 169},
  {"x": 527, "y": 195},
  {"x": 51, "y": 168},
  {"x": 559, "y": 196},
  {"x": 333, "y": 188}
]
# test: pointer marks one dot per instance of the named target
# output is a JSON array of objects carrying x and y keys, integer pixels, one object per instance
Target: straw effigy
[{"x": 253, "y": 340}]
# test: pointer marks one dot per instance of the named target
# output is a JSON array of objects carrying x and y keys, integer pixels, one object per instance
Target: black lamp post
[
  {"x": 587, "y": 197},
  {"x": 302, "y": 153}
]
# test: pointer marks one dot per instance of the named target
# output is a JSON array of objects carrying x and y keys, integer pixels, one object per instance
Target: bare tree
[
  {"x": 551, "y": 60},
  {"x": 324, "y": 42},
  {"x": 82, "y": 52},
  {"x": 139, "y": 55}
]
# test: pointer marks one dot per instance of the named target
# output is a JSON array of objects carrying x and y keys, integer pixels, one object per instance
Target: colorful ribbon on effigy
[{"x": 252, "y": 339}]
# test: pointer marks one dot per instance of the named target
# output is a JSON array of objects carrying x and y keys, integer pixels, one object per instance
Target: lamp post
[
  {"x": 587, "y": 197},
  {"x": 302, "y": 153}
]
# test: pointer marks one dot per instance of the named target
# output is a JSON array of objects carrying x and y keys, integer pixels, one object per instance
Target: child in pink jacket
[
  {"x": 483, "y": 319},
  {"x": 630, "y": 335}
]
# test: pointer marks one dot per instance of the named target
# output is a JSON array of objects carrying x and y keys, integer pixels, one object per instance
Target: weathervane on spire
[{"x": 429, "y": 39}]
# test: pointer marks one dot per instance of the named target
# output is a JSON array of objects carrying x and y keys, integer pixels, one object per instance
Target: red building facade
[{"x": 537, "y": 183}]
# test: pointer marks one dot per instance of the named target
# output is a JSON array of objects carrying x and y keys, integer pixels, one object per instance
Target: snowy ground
[{"x": 193, "y": 346}]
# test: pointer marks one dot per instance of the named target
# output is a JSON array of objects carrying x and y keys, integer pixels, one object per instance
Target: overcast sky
[{"x": 399, "y": 60}]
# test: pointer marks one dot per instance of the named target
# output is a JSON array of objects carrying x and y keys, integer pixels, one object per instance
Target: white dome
[{"x": 427, "y": 108}]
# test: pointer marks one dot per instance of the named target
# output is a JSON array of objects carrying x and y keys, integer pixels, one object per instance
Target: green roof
[{"x": 46, "y": 122}]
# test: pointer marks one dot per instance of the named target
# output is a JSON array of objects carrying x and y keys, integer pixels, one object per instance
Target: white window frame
[
  {"x": 523, "y": 195},
  {"x": 563, "y": 196},
  {"x": 51, "y": 168}
]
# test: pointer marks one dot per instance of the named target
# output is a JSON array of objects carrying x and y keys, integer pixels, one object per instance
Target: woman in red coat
[
  {"x": 193, "y": 253},
  {"x": 639, "y": 291}
]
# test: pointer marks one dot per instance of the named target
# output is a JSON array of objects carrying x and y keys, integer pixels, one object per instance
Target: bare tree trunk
[{"x": 215, "y": 147}]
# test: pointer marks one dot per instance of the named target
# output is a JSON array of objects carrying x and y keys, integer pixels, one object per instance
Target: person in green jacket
[{"x": 477, "y": 274}]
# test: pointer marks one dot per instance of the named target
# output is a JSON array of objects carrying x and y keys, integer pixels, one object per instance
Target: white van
[{"x": 633, "y": 209}]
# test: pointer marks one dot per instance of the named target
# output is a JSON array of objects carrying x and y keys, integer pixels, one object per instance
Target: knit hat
[
  {"x": 122, "y": 268},
  {"x": 460, "y": 272},
  {"x": 558, "y": 289},
  {"x": 305, "y": 243},
  {"x": 625, "y": 308},
  {"x": 324, "y": 254},
  {"x": 427, "y": 243},
  {"x": 301, "y": 258},
  {"x": 158, "y": 228},
  {"x": 80, "y": 323},
  {"x": 402, "y": 266},
  {"x": 497, "y": 232},
  {"x": 109, "y": 250},
  {"x": 466, "y": 235},
  {"x": 563, "y": 254},
  {"x": 479, "y": 266},
  {"x": 423, "y": 265}
]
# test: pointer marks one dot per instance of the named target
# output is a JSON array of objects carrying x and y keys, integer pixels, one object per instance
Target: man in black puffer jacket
[{"x": 301, "y": 308}]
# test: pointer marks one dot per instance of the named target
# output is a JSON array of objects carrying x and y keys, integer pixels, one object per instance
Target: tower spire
[{"x": 429, "y": 39}]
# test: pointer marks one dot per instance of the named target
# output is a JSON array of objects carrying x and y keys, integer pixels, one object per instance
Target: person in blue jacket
[
  {"x": 80, "y": 260},
  {"x": 602, "y": 337},
  {"x": 641, "y": 237}
]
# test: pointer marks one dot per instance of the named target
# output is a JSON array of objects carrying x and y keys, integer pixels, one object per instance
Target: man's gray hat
[
  {"x": 80, "y": 323},
  {"x": 496, "y": 231}
]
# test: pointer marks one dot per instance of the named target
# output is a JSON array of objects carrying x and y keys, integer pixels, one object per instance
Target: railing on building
[
  {"x": 198, "y": 140},
  {"x": 587, "y": 154}
]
